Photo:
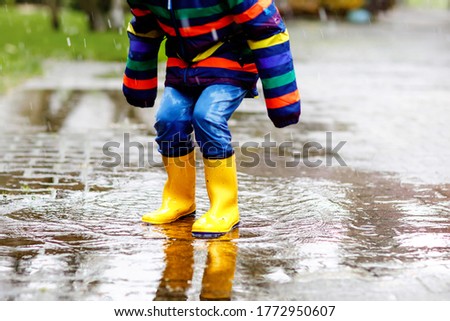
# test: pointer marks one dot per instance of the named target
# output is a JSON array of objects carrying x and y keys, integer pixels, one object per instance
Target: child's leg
[
  {"x": 210, "y": 119},
  {"x": 174, "y": 123},
  {"x": 212, "y": 111},
  {"x": 174, "y": 128}
]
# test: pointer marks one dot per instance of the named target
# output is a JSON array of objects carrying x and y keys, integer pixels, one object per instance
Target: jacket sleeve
[
  {"x": 140, "y": 78},
  {"x": 268, "y": 39}
]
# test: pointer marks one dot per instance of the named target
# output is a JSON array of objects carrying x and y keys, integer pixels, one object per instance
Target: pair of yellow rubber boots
[{"x": 179, "y": 195}]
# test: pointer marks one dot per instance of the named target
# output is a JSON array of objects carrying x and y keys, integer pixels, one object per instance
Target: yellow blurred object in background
[
  {"x": 313, "y": 6},
  {"x": 342, "y": 5},
  {"x": 304, "y": 6}
]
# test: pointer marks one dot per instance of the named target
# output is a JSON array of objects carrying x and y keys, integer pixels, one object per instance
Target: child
[{"x": 216, "y": 51}]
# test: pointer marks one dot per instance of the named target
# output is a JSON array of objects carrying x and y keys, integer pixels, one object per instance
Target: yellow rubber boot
[
  {"x": 178, "y": 198},
  {"x": 221, "y": 184}
]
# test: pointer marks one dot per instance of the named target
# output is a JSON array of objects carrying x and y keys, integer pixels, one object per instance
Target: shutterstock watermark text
[{"x": 266, "y": 152}]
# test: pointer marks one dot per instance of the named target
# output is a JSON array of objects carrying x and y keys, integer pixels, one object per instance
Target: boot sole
[{"x": 212, "y": 235}]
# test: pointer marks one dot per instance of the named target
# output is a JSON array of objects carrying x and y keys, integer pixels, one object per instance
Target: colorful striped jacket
[{"x": 212, "y": 42}]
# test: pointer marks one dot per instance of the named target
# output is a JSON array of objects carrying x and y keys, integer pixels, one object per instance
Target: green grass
[
  {"x": 27, "y": 39},
  {"x": 438, "y": 4}
]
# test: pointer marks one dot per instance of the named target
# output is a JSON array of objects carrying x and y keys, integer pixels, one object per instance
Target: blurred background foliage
[
  {"x": 343, "y": 6},
  {"x": 32, "y": 31},
  {"x": 30, "y": 35}
]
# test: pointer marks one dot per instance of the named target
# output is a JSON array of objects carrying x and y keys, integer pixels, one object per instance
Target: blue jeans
[{"x": 204, "y": 111}]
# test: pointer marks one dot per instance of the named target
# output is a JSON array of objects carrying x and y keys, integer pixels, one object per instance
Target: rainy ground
[{"x": 366, "y": 217}]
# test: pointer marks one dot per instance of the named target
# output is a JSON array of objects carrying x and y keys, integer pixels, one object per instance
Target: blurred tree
[
  {"x": 54, "y": 6},
  {"x": 379, "y": 5},
  {"x": 103, "y": 13},
  {"x": 117, "y": 13},
  {"x": 96, "y": 11}
]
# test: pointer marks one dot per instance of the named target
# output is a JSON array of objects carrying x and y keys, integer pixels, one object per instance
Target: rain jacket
[{"x": 212, "y": 42}]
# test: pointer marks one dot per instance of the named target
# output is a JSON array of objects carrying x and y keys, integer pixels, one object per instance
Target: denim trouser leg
[
  {"x": 207, "y": 113},
  {"x": 174, "y": 123},
  {"x": 210, "y": 118}
]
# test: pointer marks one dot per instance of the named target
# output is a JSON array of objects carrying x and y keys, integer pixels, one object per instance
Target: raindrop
[
  {"x": 214, "y": 34},
  {"x": 109, "y": 24},
  {"x": 84, "y": 41},
  {"x": 117, "y": 45},
  {"x": 69, "y": 44},
  {"x": 49, "y": 126},
  {"x": 185, "y": 23},
  {"x": 323, "y": 15},
  {"x": 62, "y": 151},
  {"x": 85, "y": 168}
]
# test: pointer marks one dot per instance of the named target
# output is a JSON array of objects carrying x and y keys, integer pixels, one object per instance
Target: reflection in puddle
[{"x": 218, "y": 274}]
